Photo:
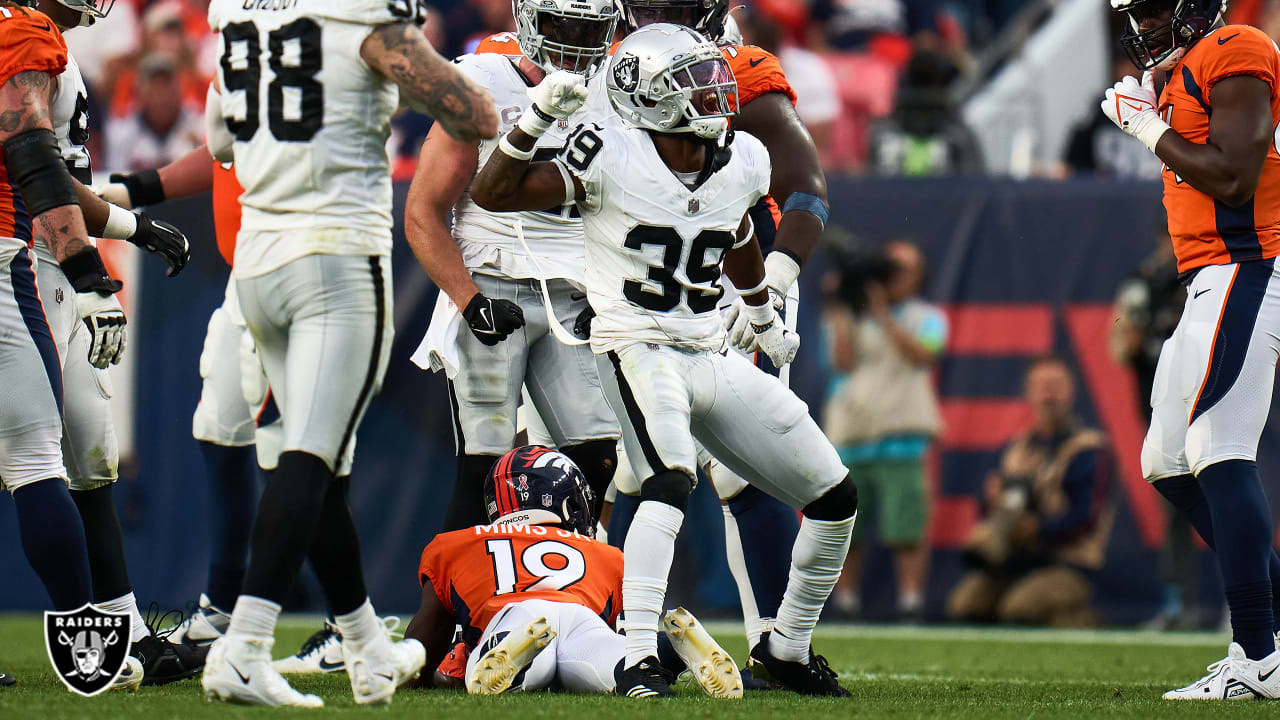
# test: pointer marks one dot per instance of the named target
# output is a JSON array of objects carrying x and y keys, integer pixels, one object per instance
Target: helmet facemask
[
  {"x": 574, "y": 37},
  {"x": 1161, "y": 47},
  {"x": 696, "y": 94},
  {"x": 90, "y": 10}
]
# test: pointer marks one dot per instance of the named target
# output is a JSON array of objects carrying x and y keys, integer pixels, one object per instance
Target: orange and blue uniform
[
  {"x": 477, "y": 571},
  {"x": 226, "y": 209},
  {"x": 1205, "y": 230}
]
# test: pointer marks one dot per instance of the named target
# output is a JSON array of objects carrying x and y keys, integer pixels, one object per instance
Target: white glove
[
  {"x": 1131, "y": 105},
  {"x": 105, "y": 319},
  {"x": 114, "y": 193},
  {"x": 558, "y": 96},
  {"x": 737, "y": 321},
  {"x": 767, "y": 334}
]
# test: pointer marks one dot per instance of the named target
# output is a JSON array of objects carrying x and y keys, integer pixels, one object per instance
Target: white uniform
[
  {"x": 561, "y": 380},
  {"x": 89, "y": 445},
  {"x": 580, "y": 658},
  {"x": 312, "y": 261},
  {"x": 654, "y": 253}
]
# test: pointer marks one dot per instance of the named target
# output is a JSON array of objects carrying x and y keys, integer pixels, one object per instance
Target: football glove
[
  {"x": 737, "y": 321},
  {"x": 105, "y": 319},
  {"x": 162, "y": 239},
  {"x": 558, "y": 96},
  {"x": 1131, "y": 105},
  {"x": 492, "y": 321},
  {"x": 768, "y": 334}
]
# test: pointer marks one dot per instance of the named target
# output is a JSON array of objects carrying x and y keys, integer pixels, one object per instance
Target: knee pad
[
  {"x": 838, "y": 503},
  {"x": 669, "y": 486}
]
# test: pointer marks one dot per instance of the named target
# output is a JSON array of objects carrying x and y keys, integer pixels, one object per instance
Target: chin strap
[{"x": 718, "y": 156}]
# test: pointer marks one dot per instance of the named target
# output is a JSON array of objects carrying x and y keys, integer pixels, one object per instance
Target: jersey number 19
[{"x": 242, "y": 69}]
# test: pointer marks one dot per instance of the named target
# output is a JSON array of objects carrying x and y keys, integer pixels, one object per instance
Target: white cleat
[
  {"x": 497, "y": 669},
  {"x": 376, "y": 671},
  {"x": 713, "y": 668},
  {"x": 1235, "y": 677},
  {"x": 321, "y": 653},
  {"x": 130, "y": 676},
  {"x": 238, "y": 670},
  {"x": 205, "y": 625}
]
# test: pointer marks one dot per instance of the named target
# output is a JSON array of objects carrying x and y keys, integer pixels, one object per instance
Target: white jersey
[
  {"x": 311, "y": 122},
  {"x": 69, "y": 115},
  {"x": 488, "y": 240},
  {"x": 655, "y": 246}
]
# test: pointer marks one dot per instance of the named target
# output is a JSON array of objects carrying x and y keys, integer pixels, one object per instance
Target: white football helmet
[
  {"x": 670, "y": 79},
  {"x": 90, "y": 10},
  {"x": 571, "y": 35}
]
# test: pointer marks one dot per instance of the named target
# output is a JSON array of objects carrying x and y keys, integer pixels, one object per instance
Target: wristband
[
  {"x": 144, "y": 187},
  {"x": 1149, "y": 128},
  {"x": 781, "y": 271},
  {"x": 534, "y": 122},
  {"x": 86, "y": 273},
  {"x": 760, "y": 316},
  {"x": 121, "y": 224},
  {"x": 764, "y": 283},
  {"x": 509, "y": 149}
]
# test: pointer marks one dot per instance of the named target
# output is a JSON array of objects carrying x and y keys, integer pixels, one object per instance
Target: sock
[
  {"x": 910, "y": 603},
  {"x": 624, "y": 511},
  {"x": 816, "y": 561},
  {"x": 104, "y": 541},
  {"x": 53, "y": 541},
  {"x": 360, "y": 626},
  {"x": 738, "y": 568},
  {"x": 1184, "y": 492},
  {"x": 127, "y": 603},
  {"x": 254, "y": 616},
  {"x": 647, "y": 555},
  {"x": 286, "y": 523},
  {"x": 233, "y": 498},
  {"x": 1242, "y": 530},
  {"x": 766, "y": 528},
  {"x": 466, "y": 506},
  {"x": 335, "y": 553}
]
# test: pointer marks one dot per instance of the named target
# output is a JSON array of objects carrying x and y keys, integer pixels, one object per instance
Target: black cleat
[
  {"x": 645, "y": 679},
  {"x": 752, "y": 681},
  {"x": 7, "y": 680},
  {"x": 164, "y": 662},
  {"x": 814, "y": 678}
]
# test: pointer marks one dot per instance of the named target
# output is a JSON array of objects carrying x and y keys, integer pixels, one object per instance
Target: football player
[
  {"x": 302, "y": 100},
  {"x": 665, "y": 198},
  {"x": 1213, "y": 125},
  {"x": 488, "y": 266},
  {"x": 538, "y": 596},
  {"x": 88, "y": 436}
]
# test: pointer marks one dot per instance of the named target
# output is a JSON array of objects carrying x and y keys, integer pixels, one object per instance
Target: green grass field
[{"x": 920, "y": 672}]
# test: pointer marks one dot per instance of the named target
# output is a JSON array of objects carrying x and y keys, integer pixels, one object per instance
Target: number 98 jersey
[
  {"x": 477, "y": 571},
  {"x": 309, "y": 117}
]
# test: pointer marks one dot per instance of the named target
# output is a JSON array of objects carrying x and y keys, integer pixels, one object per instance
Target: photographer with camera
[
  {"x": 1048, "y": 513},
  {"x": 883, "y": 413}
]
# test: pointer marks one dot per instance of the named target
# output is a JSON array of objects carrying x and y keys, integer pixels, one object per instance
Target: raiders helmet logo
[
  {"x": 87, "y": 647},
  {"x": 626, "y": 73}
]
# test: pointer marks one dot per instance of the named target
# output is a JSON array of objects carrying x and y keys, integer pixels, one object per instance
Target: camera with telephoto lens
[{"x": 859, "y": 266}]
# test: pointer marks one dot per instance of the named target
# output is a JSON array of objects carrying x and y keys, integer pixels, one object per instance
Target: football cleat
[
  {"x": 130, "y": 677},
  {"x": 453, "y": 669},
  {"x": 164, "y": 662},
  {"x": 320, "y": 653},
  {"x": 502, "y": 663},
  {"x": 814, "y": 678},
  {"x": 381, "y": 667},
  {"x": 7, "y": 680},
  {"x": 645, "y": 679},
  {"x": 712, "y": 667},
  {"x": 205, "y": 624},
  {"x": 1235, "y": 677},
  {"x": 239, "y": 671}
]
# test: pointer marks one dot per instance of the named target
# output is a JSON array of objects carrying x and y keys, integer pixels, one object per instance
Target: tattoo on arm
[
  {"x": 62, "y": 229},
  {"x": 429, "y": 83},
  {"x": 24, "y": 103}
]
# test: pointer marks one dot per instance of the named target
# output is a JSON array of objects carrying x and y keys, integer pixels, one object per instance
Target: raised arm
[
  {"x": 429, "y": 83},
  {"x": 445, "y": 168}
]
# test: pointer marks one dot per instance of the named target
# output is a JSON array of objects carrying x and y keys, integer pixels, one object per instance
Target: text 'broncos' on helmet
[
  {"x": 670, "y": 79},
  {"x": 534, "y": 485},
  {"x": 572, "y": 35},
  {"x": 705, "y": 16},
  {"x": 1158, "y": 33}
]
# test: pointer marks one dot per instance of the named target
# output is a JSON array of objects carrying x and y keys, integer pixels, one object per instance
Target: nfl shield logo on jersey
[
  {"x": 694, "y": 205},
  {"x": 87, "y": 647},
  {"x": 547, "y": 500}
]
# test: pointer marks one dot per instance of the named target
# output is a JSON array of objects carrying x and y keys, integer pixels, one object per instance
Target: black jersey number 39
[
  {"x": 701, "y": 270},
  {"x": 300, "y": 75}
]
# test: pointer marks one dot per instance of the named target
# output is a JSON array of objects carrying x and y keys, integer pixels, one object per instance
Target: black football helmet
[
  {"x": 705, "y": 16},
  {"x": 90, "y": 10},
  {"x": 1188, "y": 21},
  {"x": 534, "y": 485}
]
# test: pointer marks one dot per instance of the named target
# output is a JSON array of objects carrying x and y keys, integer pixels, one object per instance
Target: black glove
[
  {"x": 163, "y": 239},
  {"x": 491, "y": 321},
  {"x": 582, "y": 324}
]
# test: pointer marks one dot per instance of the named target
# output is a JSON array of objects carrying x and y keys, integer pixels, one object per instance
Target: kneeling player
[{"x": 537, "y": 595}]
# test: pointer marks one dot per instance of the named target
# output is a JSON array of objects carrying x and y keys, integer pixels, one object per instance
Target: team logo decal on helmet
[
  {"x": 626, "y": 73},
  {"x": 537, "y": 486},
  {"x": 87, "y": 647}
]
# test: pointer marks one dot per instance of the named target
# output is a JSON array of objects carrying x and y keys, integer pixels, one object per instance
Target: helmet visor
[
  {"x": 573, "y": 42},
  {"x": 711, "y": 88}
]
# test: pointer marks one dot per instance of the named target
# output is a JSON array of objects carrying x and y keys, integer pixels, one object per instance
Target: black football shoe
[
  {"x": 164, "y": 662},
  {"x": 646, "y": 679},
  {"x": 814, "y": 678},
  {"x": 7, "y": 680}
]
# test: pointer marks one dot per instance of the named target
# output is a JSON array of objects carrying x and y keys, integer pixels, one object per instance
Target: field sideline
[{"x": 905, "y": 672}]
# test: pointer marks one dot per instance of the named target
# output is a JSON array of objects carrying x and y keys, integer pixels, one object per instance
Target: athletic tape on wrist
[
  {"x": 809, "y": 203},
  {"x": 534, "y": 122},
  {"x": 121, "y": 224},
  {"x": 510, "y": 150}
]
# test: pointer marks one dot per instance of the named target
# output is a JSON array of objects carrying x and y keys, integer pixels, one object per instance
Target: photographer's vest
[
  {"x": 1047, "y": 468},
  {"x": 886, "y": 394}
]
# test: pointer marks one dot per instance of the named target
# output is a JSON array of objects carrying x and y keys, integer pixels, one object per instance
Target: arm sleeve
[
  {"x": 1084, "y": 483},
  {"x": 30, "y": 42},
  {"x": 1237, "y": 50}
]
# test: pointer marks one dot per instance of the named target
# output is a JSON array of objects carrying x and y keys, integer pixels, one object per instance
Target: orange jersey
[
  {"x": 757, "y": 71},
  {"x": 503, "y": 43},
  {"x": 1206, "y": 231},
  {"x": 477, "y": 571},
  {"x": 29, "y": 41},
  {"x": 226, "y": 209}
]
